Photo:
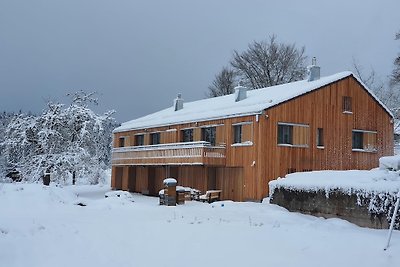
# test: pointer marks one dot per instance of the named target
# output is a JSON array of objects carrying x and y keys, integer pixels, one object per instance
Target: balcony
[{"x": 189, "y": 153}]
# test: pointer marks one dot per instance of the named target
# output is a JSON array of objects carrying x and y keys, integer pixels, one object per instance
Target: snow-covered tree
[
  {"x": 5, "y": 119},
  {"x": 69, "y": 141}
]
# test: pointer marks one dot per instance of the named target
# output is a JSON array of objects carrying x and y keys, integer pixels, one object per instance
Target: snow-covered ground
[{"x": 44, "y": 226}]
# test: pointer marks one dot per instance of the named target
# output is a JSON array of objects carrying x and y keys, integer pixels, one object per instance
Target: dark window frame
[
  {"x": 347, "y": 106},
  {"x": 320, "y": 137},
  {"x": 187, "y": 135},
  {"x": 357, "y": 138},
  {"x": 285, "y": 134},
  {"x": 237, "y": 134},
  {"x": 139, "y": 140},
  {"x": 209, "y": 134},
  {"x": 155, "y": 138},
  {"x": 121, "y": 141}
]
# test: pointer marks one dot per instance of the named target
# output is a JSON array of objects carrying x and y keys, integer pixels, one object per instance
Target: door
[
  {"x": 212, "y": 179},
  {"x": 132, "y": 179},
  {"x": 118, "y": 177},
  {"x": 230, "y": 181},
  {"x": 151, "y": 181}
]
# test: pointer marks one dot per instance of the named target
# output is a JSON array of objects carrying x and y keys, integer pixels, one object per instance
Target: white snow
[
  {"x": 225, "y": 106},
  {"x": 390, "y": 163},
  {"x": 169, "y": 181},
  {"x": 378, "y": 181},
  {"x": 44, "y": 226}
]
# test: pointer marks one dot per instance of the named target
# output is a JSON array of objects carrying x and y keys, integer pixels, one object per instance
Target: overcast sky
[{"x": 139, "y": 54}]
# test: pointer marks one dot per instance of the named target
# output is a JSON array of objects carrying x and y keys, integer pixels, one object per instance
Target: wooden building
[{"x": 238, "y": 143}]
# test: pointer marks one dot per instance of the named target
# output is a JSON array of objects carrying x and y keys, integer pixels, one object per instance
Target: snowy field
[{"x": 44, "y": 226}]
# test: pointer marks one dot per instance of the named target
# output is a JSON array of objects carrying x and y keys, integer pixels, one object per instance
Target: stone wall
[{"x": 335, "y": 204}]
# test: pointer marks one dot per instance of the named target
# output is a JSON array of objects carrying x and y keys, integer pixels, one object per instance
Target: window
[
  {"x": 357, "y": 140},
  {"x": 187, "y": 135},
  {"x": 292, "y": 134},
  {"x": 237, "y": 134},
  {"x": 285, "y": 134},
  {"x": 242, "y": 133},
  {"x": 121, "y": 142},
  {"x": 320, "y": 137},
  {"x": 139, "y": 140},
  {"x": 364, "y": 141},
  {"x": 347, "y": 108},
  {"x": 154, "y": 138},
  {"x": 208, "y": 134}
]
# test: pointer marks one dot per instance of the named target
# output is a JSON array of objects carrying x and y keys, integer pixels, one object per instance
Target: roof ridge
[{"x": 225, "y": 106}]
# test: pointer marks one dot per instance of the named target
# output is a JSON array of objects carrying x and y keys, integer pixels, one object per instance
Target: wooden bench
[{"x": 211, "y": 196}]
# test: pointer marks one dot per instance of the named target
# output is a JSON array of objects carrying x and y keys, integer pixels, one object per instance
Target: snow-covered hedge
[{"x": 375, "y": 189}]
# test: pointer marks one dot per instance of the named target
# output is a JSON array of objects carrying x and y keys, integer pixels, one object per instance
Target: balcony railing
[{"x": 188, "y": 153}]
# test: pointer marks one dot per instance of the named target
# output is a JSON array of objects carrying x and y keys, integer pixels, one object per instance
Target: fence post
[{"x": 396, "y": 208}]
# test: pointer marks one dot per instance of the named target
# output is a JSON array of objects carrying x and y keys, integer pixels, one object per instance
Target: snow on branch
[{"x": 82, "y": 98}]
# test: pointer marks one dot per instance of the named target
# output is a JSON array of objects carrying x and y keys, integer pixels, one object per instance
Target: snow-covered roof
[{"x": 225, "y": 106}]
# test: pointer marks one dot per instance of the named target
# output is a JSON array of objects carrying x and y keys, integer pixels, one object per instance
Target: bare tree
[
  {"x": 223, "y": 84},
  {"x": 269, "y": 63},
  {"x": 395, "y": 77},
  {"x": 386, "y": 93}
]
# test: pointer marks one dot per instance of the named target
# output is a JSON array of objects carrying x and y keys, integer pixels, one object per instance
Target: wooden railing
[{"x": 188, "y": 153}]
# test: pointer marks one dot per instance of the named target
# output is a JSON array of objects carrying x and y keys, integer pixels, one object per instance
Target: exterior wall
[
  {"x": 249, "y": 167},
  {"x": 323, "y": 109},
  {"x": 235, "y": 179}
]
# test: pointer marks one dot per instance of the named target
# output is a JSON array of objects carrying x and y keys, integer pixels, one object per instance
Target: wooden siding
[
  {"x": 301, "y": 135},
  {"x": 248, "y": 167},
  {"x": 323, "y": 109}
]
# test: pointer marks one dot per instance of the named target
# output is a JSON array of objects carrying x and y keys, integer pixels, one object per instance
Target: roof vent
[
  {"x": 313, "y": 71},
  {"x": 240, "y": 92},
  {"x": 178, "y": 103}
]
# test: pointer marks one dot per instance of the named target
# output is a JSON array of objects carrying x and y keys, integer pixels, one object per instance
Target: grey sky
[{"x": 139, "y": 54}]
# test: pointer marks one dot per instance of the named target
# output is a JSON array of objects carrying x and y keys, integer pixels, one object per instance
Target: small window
[
  {"x": 121, "y": 142},
  {"x": 237, "y": 134},
  {"x": 154, "y": 138},
  {"x": 208, "y": 134},
  {"x": 285, "y": 134},
  {"x": 139, "y": 140},
  {"x": 187, "y": 135},
  {"x": 347, "y": 107},
  {"x": 320, "y": 137}
]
